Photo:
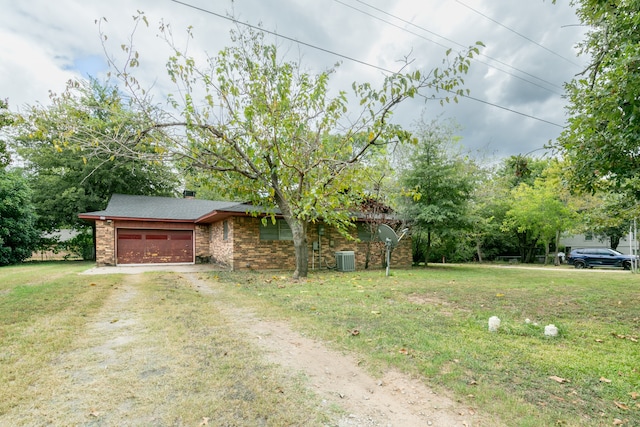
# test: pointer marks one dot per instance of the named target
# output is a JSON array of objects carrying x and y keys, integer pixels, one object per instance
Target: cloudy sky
[{"x": 516, "y": 83}]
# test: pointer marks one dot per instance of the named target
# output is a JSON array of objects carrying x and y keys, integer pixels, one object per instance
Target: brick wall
[
  {"x": 105, "y": 243},
  {"x": 202, "y": 237},
  {"x": 222, "y": 249},
  {"x": 332, "y": 241},
  {"x": 249, "y": 252}
]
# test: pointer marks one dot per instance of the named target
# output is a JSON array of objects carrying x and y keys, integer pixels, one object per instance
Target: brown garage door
[{"x": 154, "y": 246}]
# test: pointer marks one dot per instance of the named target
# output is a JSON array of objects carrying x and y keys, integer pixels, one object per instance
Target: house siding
[{"x": 570, "y": 242}]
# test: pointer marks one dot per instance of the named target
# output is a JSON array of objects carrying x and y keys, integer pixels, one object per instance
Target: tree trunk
[
  {"x": 299, "y": 231},
  {"x": 546, "y": 252},
  {"x": 367, "y": 255},
  {"x": 615, "y": 241},
  {"x": 479, "y": 250},
  {"x": 427, "y": 252}
]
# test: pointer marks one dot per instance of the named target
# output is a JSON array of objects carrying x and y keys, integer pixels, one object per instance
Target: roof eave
[{"x": 126, "y": 218}]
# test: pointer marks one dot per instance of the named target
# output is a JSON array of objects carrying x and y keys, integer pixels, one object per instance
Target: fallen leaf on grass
[
  {"x": 604, "y": 380},
  {"x": 355, "y": 332},
  {"x": 558, "y": 379},
  {"x": 617, "y": 422},
  {"x": 403, "y": 351},
  {"x": 599, "y": 340},
  {"x": 631, "y": 338},
  {"x": 621, "y": 405},
  {"x": 634, "y": 395}
]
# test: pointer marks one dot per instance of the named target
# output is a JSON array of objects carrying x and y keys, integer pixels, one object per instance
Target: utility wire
[
  {"x": 273, "y": 33},
  {"x": 515, "y": 32},
  {"x": 235, "y": 21},
  {"x": 451, "y": 41}
]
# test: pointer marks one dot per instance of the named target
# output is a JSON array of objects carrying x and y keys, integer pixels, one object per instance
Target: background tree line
[{"x": 276, "y": 136}]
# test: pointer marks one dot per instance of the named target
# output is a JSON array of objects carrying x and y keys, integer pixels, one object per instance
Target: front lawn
[{"x": 433, "y": 323}]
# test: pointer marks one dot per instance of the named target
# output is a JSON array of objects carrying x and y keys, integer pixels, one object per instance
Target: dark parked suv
[{"x": 589, "y": 258}]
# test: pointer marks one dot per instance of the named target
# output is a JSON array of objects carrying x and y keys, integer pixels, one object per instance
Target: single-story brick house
[{"x": 135, "y": 230}]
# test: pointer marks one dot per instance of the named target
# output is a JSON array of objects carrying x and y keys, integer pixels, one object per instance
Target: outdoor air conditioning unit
[{"x": 345, "y": 261}]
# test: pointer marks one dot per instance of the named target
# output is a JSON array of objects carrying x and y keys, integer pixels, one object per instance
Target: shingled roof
[{"x": 122, "y": 206}]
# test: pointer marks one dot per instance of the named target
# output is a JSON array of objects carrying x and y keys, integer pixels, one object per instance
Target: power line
[
  {"x": 454, "y": 42},
  {"x": 517, "y": 33},
  {"x": 235, "y": 21},
  {"x": 273, "y": 33}
]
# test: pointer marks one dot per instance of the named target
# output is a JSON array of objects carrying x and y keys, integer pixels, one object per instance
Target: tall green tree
[
  {"x": 69, "y": 181},
  {"x": 273, "y": 133},
  {"x": 18, "y": 234},
  {"x": 602, "y": 139},
  {"x": 6, "y": 120},
  {"x": 438, "y": 183},
  {"x": 511, "y": 173},
  {"x": 487, "y": 209},
  {"x": 541, "y": 212}
]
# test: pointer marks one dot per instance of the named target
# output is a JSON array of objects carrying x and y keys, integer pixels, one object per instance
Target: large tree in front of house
[{"x": 273, "y": 133}]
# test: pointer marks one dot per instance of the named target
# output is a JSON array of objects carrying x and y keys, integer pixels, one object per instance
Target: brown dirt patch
[{"x": 392, "y": 400}]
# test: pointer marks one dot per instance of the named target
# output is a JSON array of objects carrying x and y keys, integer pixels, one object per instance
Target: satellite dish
[
  {"x": 387, "y": 235},
  {"x": 390, "y": 239}
]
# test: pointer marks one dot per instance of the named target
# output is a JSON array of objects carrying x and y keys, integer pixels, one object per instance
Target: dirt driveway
[{"x": 116, "y": 343}]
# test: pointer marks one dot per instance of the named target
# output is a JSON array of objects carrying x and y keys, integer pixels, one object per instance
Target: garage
[{"x": 135, "y": 246}]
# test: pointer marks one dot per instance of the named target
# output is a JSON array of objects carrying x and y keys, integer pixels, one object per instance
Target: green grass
[
  {"x": 181, "y": 362},
  {"x": 43, "y": 308},
  {"x": 433, "y": 323}
]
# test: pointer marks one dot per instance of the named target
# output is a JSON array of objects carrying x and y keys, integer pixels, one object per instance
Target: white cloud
[{"x": 44, "y": 43}]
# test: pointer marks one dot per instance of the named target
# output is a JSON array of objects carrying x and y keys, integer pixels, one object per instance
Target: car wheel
[
  {"x": 579, "y": 264},
  {"x": 626, "y": 265}
]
